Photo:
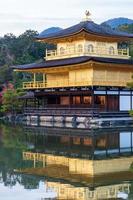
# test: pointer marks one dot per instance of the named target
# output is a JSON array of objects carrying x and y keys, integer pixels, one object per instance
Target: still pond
[{"x": 42, "y": 163}]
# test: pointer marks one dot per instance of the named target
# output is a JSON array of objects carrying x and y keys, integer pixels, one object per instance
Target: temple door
[{"x": 112, "y": 103}]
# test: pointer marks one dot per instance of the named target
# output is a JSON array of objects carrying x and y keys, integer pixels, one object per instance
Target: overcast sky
[{"x": 16, "y": 16}]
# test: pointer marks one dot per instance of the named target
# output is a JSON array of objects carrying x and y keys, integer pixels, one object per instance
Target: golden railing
[
  {"x": 96, "y": 51},
  {"x": 54, "y": 84},
  {"x": 67, "y": 83},
  {"x": 33, "y": 156}
]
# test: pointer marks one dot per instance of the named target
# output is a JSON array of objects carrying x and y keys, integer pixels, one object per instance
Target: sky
[
  {"x": 17, "y": 16},
  {"x": 18, "y": 192}
]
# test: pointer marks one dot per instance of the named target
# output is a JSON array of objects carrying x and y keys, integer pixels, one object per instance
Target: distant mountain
[
  {"x": 50, "y": 30},
  {"x": 114, "y": 23}
]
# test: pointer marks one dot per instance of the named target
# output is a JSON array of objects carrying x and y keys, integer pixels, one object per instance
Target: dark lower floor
[{"x": 104, "y": 100}]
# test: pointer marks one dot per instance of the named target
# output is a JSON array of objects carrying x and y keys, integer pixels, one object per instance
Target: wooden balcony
[
  {"x": 54, "y": 84},
  {"x": 66, "y": 83},
  {"x": 98, "y": 52}
]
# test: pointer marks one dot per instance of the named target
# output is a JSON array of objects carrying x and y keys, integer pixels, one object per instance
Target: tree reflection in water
[{"x": 12, "y": 144}]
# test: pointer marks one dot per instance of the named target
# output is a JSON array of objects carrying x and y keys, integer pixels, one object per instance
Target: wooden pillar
[
  {"x": 82, "y": 141},
  {"x": 106, "y": 100},
  {"x": 81, "y": 99},
  {"x": 118, "y": 99},
  {"x": 56, "y": 100},
  {"x": 44, "y": 161},
  {"x": 34, "y": 78},
  {"x": 92, "y": 96},
  {"x": 46, "y": 53},
  {"x": 131, "y": 100},
  {"x": 44, "y": 80},
  {"x": 70, "y": 100},
  {"x": 34, "y": 161}
]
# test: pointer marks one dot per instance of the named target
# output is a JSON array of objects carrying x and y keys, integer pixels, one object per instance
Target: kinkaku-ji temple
[{"x": 89, "y": 70}]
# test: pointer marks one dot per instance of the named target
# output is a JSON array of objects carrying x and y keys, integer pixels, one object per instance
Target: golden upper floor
[
  {"x": 87, "y": 48},
  {"x": 86, "y": 73},
  {"x": 87, "y": 39}
]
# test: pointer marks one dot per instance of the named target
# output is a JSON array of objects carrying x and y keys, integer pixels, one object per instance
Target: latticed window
[
  {"x": 80, "y": 48},
  {"x": 62, "y": 51},
  {"x": 111, "y": 50},
  {"x": 90, "y": 48}
]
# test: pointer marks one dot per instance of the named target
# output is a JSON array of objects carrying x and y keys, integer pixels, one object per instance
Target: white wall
[
  {"x": 102, "y": 46},
  {"x": 125, "y": 103}
]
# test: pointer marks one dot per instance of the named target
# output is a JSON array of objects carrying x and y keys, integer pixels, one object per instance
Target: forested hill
[
  {"x": 116, "y": 22},
  {"x": 18, "y": 50}
]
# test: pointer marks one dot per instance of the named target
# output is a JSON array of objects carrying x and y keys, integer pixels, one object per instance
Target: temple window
[
  {"x": 76, "y": 100},
  {"x": 90, "y": 48},
  {"x": 80, "y": 48},
  {"x": 111, "y": 50},
  {"x": 64, "y": 100},
  {"x": 65, "y": 140},
  {"x": 70, "y": 48},
  {"x": 99, "y": 100},
  {"x": 62, "y": 50},
  {"x": 76, "y": 140},
  {"x": 87, "y": 99}
]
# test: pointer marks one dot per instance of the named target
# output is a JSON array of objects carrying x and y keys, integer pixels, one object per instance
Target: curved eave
[
  {"x": 44, "y": 68},
  {"x": 88, "y": 33},
  {"x": 73, "y": 62}
]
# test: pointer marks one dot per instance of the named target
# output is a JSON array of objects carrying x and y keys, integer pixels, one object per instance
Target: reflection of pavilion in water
[
  {"x": 68, "y": 191},
  {"x": 81, "y": 143},
  {"x": 84, "y": 167}
]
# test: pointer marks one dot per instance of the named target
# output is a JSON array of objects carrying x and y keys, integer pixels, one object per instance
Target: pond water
[{"x": 42, "y": 163}]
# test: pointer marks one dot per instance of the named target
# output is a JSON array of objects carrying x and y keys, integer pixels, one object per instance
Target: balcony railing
[
  {"x": 85, "y": 51},
  {"x": 54, "y": 84},
  {"x": 67, "y": 83}
]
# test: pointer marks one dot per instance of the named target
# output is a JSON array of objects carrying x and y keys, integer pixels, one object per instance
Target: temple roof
[
  {"x": 73, "y": 61},
  {"x": 87, "y": 26}
]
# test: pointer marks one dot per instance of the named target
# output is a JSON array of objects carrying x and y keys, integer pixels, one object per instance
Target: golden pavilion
[{"x": 89, "y": 69}]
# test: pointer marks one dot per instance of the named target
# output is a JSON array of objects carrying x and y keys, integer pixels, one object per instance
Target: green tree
[
  {"x": 16, "y": 51},
  {"x": 10, "y": 101},
  {"x": 128, "y": 28}
]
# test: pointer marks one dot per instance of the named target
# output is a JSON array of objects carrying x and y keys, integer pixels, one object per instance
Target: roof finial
[{"x": 87, "y": 16}]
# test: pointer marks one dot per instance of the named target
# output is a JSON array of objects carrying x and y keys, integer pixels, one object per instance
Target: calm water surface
[{"x": 42, "y": 163}]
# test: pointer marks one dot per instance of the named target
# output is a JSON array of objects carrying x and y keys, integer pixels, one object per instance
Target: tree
[
  {"x": 128, "y": 28},
  {"x": 10, "y": 100},
  {"x": 16, "y": 51}
]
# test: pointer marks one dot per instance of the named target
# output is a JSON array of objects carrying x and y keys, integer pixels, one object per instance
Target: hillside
[
  {"x": 51, "y": 30},
  {"x": 19, "y": 50},
  {"x": 114, "y": 23}
]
